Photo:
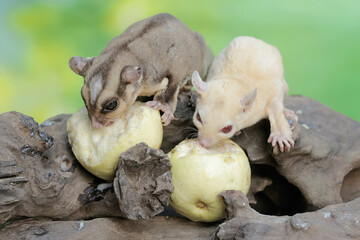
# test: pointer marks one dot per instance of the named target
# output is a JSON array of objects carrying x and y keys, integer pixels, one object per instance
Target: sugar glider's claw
[
  {"x": 167, "y": 116},
  {"x": 285, "y": 143},
  {"x": 153, "y": 104}
]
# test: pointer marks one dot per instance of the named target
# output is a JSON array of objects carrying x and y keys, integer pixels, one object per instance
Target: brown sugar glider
[{"x": 153, "y": 57}]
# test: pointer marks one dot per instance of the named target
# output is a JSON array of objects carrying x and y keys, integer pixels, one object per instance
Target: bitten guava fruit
[
  {"x": 98, "y": 150},
  {"x": 199, "y": 174}
]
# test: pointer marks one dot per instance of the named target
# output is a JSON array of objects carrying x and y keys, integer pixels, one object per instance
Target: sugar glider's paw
[
  {"x": 283, "y": 141},
  {"x": 165, "y": 108},
  {"x": 289, "y": 114}
]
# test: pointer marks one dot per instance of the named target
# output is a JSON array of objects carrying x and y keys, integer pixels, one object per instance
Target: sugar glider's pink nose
[
  {"x": 204, "y": 142},
  {"x": 95, "y": 123}
]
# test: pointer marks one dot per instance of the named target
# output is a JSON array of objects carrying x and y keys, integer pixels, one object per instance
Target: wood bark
[
  {"x": 338, "y": 221},
  {"x": 159, "y": 227}
]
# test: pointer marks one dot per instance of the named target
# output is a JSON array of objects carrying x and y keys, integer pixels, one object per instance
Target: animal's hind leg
[{"x": 280, "y": 129}]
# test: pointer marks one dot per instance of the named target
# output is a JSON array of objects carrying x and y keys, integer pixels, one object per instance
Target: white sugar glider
[{"x": 245, "y": 84}]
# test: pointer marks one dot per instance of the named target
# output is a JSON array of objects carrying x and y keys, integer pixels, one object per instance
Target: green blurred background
[{"x": 319, "y": 41}]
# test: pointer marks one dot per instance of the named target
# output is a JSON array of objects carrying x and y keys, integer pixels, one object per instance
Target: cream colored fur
[{"x": 244, "y": 65}]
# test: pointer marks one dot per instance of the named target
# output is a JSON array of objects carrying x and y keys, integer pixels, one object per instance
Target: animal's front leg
[
  {"x": 280, "y": 129},
  {"x": 166, "y": 102},
  {"x": 165, "y": 108}
]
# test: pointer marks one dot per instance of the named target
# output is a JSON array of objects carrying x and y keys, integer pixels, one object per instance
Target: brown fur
[{"x": 162, "y": 46}]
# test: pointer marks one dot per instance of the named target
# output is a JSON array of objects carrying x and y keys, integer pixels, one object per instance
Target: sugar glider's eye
[
  {"x": 198, "y": 117},
  {"x": 111, "y": 106},
  {"x": 227, "y": 129}
]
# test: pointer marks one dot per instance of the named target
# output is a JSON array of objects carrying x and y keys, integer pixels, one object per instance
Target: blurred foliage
[{"x": 319, "y": 41}]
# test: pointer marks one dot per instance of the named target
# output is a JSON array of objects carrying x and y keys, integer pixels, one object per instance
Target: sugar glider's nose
[
  {"x": 95, "y": 123},
  {"x": 205, "y": 142}
]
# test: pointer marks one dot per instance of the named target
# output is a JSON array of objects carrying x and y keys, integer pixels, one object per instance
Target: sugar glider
[
  {"x": 245, "y": 84},
  {"x": 153, "y": 57}
]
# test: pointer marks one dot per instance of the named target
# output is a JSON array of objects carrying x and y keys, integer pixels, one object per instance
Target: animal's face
[
  {"x": 107, "y": 94},
  {"x": 212, "y": 121},
  {"x": 103, "y": 103},
  {"x": 220, "y": 112}
]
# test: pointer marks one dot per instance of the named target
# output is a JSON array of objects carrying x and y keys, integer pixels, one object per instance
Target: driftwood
[
  {"x": 334, "y": 222},
  {"x": 40, "y": 177},
  {"x": 143, "y": 182},
  {"x": 325, "y": 161},
  {"x": 159, "y": 227}
]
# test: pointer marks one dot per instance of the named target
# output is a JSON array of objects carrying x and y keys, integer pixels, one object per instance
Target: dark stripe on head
[{"x": 121, "y": 90}]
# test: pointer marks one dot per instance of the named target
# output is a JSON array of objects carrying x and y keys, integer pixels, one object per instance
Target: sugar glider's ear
[
  {"x": 200, "y": 86},
  {"x": 77, "y": 64},
  {"x": 247, "y": 101},
  {"x": 131, "y": 74}
]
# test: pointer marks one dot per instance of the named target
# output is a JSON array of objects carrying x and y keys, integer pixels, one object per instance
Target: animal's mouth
[
  {"x": 206, "y": 143},
  {"x": 99, "y": 124},
  {"x": 109, "y": 123}
]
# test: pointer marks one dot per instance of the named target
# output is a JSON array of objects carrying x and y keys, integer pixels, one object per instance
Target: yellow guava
[
  {"x": 98, "y": 150},
  {"x": 199, "y": 174}
]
